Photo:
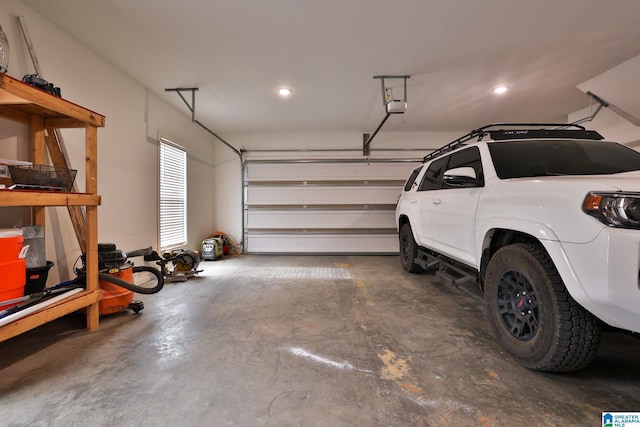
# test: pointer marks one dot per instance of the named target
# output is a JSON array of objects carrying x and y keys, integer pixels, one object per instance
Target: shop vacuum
[{"x": 119, "y": 278}]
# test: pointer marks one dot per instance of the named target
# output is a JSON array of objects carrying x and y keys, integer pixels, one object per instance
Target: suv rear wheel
[
  {"x": 408, "y": 250},
  {"x": 532, "y": 314}
]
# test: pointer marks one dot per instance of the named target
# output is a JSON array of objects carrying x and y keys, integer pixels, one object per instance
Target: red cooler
[{"x": 13, "y": 266}]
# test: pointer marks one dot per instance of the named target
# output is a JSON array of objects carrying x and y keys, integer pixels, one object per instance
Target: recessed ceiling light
[
  {"x": 284, "y": 91},
  {"x": 499, "y": 90}
]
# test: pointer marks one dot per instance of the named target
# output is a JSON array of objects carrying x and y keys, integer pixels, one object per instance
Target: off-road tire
[
  {"x": 532, "y": 314},
  {"x": 408, "y": 250}
]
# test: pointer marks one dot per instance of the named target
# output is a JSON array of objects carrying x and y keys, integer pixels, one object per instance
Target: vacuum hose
[{"x": 133, "y": 287}]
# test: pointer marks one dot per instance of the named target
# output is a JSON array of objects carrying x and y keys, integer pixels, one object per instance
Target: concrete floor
[{"x": 301, "y": 341}]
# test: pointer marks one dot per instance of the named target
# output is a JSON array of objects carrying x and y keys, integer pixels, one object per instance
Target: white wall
[{"x": 127, "y": 146}]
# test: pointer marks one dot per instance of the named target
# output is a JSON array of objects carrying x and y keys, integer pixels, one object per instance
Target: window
[
  {"x": 433, "y": 176},
  {"x": 469, "y": 157},
  {"x": 173, "y": 195},
  {"x": 517, "y": 159},
  {"x": 412, "y": 178}
]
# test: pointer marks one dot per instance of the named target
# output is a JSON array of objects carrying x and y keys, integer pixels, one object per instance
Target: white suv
[{"x": 546, "y": 220}]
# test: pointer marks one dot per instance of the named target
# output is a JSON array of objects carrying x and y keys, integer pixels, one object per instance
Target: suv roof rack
[{"x": 539, "y": 130}]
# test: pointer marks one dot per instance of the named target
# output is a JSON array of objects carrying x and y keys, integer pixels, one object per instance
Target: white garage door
[{"x": 322, "y": 205}]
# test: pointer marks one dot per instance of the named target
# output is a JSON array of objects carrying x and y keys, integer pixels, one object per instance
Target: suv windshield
[{"x": 548, "y": 157}]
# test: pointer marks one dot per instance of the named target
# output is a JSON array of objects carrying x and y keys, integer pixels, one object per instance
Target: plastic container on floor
[{"x": 37, "y": 278}]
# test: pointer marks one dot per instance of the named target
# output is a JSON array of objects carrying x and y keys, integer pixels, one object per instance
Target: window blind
[{"x": 173, "y": 195}]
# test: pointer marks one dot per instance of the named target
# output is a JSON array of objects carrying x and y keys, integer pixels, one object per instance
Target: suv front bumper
[{"x": 603, "y": 276}]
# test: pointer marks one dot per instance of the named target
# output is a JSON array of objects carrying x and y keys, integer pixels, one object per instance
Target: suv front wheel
[{"x": 532, "y": 314}]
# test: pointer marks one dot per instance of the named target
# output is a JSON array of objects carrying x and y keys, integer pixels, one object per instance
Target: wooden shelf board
[
  {"x": 44, "y": 198},
  {"x": 18, "y": 99},
  {"x": 62, "y": 308}
]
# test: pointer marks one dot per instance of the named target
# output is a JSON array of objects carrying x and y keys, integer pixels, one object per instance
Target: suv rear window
[
  {"x": 412, "y": 178},
  {"x": 529, "y": 158},
  {"x": 433, "y": 176}
]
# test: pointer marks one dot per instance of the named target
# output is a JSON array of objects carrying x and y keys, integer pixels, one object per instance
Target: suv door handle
[
  {"x": 412, "y": 201},
  {"x": 436, "y": 201}
]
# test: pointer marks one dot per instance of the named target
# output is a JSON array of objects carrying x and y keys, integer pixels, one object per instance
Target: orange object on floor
[
  {"x": 13, "y": 269},
  {"x": 115, "y": 298}
]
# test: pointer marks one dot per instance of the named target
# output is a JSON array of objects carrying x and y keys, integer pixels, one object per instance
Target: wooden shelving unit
[{"x": 44, "y": 113}]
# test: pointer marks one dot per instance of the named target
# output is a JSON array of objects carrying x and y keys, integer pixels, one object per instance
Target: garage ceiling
[{"x": 456, "y": 51}]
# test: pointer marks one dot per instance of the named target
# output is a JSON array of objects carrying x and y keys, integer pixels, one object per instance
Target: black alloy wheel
[{"x": 518, "y": 305}]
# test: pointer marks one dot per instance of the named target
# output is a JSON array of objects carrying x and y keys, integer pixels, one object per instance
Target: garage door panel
[
  {"x": 336, "y": 243},
  {"x": 322, "y": 195},
  {"x": 323, "y": 171},
  {"x": 278, "y": 219}
]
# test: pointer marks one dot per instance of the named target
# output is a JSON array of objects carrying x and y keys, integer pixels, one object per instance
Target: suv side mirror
[{"x": 461, "y": 177}]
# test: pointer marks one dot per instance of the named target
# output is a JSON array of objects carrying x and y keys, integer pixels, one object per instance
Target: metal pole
[
  {"x": 235, "y": 150},
  {"x": 27, "y": 39},
  {"x": 244, "y": 189},
  {"x": 366, "y": 144},
  {"x": 405, "y": 88}
]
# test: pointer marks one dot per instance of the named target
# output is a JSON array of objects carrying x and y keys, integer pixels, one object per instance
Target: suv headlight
[{"x": 621, "y": 210}]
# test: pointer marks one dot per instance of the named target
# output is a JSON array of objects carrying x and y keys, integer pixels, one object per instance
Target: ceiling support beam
[
  {"x": 192, "y": 107},
  {"x": 628, "y": 117},
  {"x": 604, "y": 104}
]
